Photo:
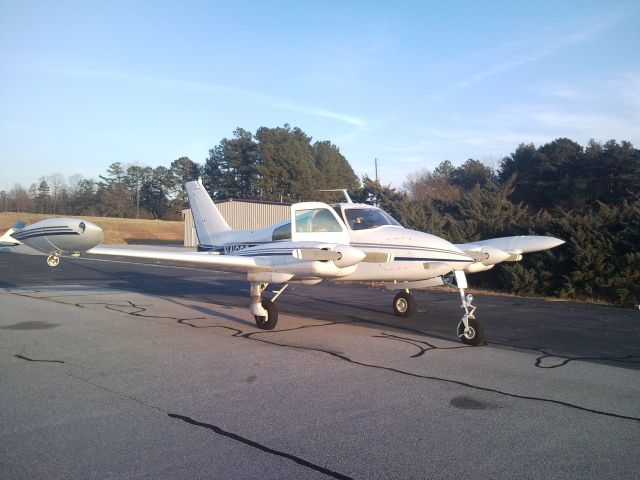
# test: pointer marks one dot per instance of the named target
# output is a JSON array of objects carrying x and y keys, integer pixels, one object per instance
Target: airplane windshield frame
[{"x": 368, "y": 218}]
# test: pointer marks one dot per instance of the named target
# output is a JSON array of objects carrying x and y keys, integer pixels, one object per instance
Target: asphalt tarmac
[{"x": 112, "y": 369}]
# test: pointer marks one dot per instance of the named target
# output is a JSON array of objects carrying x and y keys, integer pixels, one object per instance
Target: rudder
[{"x": 208, "y": 220}]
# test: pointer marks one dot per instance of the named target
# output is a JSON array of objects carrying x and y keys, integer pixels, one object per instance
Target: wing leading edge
[{"x": 215, "y": 261}]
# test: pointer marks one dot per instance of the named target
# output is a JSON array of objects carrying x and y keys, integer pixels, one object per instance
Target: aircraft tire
[
  {"x": 53, "y": 260},
  {"x": 404, "y": 305},
  {"x": 271, "y": 320},
  {"x": 475, "y": 336}
]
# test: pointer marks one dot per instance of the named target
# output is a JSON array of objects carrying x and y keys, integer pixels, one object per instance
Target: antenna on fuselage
[{"x": 343, "y": 190}]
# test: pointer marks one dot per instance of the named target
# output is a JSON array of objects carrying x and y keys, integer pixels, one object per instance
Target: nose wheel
[{"x": 472, "y": 334}]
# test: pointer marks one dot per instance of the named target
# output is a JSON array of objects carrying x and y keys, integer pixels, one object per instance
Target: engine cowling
[{"x": 348, "y": 256}]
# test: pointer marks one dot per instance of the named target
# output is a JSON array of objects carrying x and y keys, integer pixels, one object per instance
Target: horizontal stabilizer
[{"x": 6, "y": 240}]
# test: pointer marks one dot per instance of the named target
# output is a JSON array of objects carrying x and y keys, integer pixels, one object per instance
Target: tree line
[
  {"x": 282, "y": 164},
  {"x": 587, "y": 196}
]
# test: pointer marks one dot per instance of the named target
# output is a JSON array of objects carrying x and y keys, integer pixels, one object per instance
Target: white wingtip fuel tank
[
  {"x": 57, "y": 236},
  {"x": 488, "y": 253}
]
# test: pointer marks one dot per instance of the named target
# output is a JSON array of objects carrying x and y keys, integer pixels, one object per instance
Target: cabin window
[
  {"x": 283, "y": 232},
  {"x": 316, "y": 220}
]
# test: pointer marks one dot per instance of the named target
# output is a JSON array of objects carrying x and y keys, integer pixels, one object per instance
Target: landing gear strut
[
  {"x": 404, "y": 305},
  {"x": 264, "y": 311},
  {"x": 469, "y": 330}
]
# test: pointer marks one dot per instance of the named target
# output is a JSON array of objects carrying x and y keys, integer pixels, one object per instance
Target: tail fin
[{"x": 207, "y": 218}]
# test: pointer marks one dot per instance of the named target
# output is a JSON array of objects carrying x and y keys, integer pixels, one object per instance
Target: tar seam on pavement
[{"x": 250, "y": 336}]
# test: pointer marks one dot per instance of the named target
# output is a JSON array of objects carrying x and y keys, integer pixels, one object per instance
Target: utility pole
[{"x": 376, "y": 162}]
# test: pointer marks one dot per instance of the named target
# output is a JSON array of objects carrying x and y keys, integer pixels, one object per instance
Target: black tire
[
  {"x": 271, "y": 320},
  {"x": 475, "y": 336},
  {"x": 404, "y": 304}
]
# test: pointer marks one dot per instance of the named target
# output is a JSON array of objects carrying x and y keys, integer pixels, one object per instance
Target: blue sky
[{"x": 84, "y": 84}]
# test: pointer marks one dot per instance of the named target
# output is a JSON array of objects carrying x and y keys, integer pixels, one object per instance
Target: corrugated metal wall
[
  {"x": 190, "y": 238},
  {"x": 240, "y": 215}
]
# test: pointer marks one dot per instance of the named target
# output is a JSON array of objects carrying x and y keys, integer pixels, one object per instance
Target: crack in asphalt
[
  {"x": 23, "y": 357},
  {"x": 216, "y": 429},
  {"x": 416, "y": 343},
  {"x": 138, "y": 310},
  {"x": 259, "y": 446},
  {"x": 251, "y": 336},
  {"x": 444, "y": 380},
  {"x": 565, "y": 359}
]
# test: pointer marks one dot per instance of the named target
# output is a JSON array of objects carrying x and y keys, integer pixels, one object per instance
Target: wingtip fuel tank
[{"x": 57, "y": 236}]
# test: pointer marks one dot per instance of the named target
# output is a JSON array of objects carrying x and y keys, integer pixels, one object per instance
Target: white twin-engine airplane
[{"x": 343, "y": 242}]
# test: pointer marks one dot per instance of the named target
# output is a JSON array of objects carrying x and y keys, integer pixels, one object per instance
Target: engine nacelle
[
  {"x": 493, "y": 255},
  {"x": 319, "y": 269},
  {"x": 478, "y": 267},
  {"x": 348, "y": 256}
]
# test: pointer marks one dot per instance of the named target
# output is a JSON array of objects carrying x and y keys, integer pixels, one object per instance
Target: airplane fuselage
[{"x": 408, "y": 255}]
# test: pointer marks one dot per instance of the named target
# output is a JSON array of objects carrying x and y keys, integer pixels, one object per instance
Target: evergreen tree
[
  {"x": 333, "y": 169},
  {"x": 287, "y": 170},
  {"x": 43, "y": 196},
  {"x": 232, "y": 169},
  {"x": 182, "y": 170}
]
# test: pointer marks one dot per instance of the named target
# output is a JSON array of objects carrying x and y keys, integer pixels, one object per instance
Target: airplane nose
[{"x": 92, "y": 235}]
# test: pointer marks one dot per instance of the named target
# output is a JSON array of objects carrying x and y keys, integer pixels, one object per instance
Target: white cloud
[
  {"x": 514, "y": 55},
  {"x": 214, "y": 89}
]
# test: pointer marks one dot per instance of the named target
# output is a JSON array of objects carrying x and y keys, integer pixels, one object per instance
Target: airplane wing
[
  {"x": 488, "y": 253},
  {"x": 215, "y": 261}
]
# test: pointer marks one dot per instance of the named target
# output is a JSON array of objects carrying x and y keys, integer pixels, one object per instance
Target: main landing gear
[
  {"x": 404, "y": 305},
  {"x": 53, "y": 260},
  {"x": 264, "y": 311}
]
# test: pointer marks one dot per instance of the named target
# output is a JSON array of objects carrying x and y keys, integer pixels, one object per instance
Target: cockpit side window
[
  {"x": 367, "y": 218},
  {"x": 316, "y": 220}
]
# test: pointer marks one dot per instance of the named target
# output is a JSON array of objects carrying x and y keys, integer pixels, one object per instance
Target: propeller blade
[{"x": 316, "y": 254}]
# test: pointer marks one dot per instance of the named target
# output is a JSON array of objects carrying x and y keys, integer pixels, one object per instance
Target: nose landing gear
[{"x": 470, "y": 331}]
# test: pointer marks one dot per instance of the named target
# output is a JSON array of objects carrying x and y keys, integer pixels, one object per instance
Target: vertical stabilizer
[{"x": 207, "y": 218}]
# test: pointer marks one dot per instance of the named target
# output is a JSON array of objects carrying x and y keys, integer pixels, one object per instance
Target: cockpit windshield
[{"x": 367, "y": 218}]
